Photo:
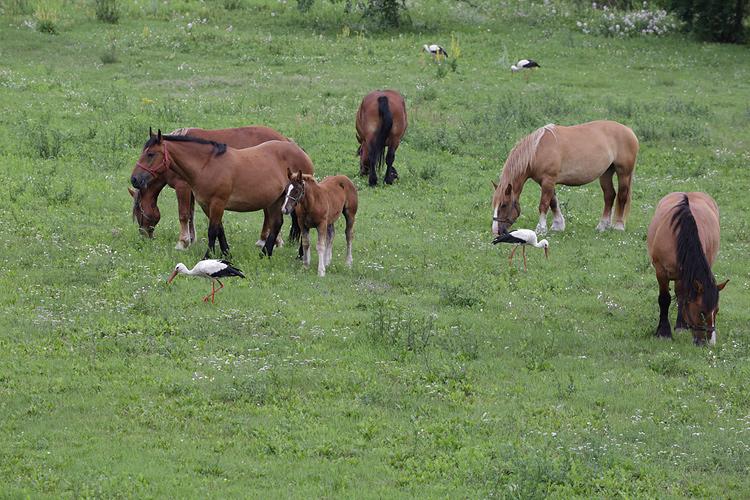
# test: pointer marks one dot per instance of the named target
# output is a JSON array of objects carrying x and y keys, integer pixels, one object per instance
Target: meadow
[{"x": 429, "y": 369}]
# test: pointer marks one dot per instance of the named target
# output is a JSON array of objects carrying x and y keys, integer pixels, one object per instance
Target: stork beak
[
  {"x": 546, "y": 253},
  {"x": 172, "y": 276}
]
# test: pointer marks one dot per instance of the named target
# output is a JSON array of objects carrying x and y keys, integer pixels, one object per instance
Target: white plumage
[
  {"x": 524, "y": 64},
  {"x": 521, "y": 237},
  {"x": 211, "y": 269},
  {"x": 436, "y": 50}
]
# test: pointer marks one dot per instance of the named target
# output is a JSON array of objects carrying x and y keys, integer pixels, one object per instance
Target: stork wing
[{"x": 507, "y": 238}]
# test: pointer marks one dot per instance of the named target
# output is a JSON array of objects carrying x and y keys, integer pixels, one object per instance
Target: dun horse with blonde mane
[
  {"x": 571, "y": 156},
  {"x": 683, "y": 241}
]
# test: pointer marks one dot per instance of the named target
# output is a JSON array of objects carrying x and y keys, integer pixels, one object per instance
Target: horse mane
[
  {"x": 219, "y": 147},
  {"x": 692, "y": 261},
  {"x": 522, "y": 154}
]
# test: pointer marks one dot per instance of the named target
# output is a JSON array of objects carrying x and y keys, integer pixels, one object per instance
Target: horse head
[
  {"x": 294, "y": 193},
  {"x": 699, "y": 309},
  {"x": 145, "y": 211},
  {"x": 152, "y": 163},
  {"x": 505, "y": 208}
]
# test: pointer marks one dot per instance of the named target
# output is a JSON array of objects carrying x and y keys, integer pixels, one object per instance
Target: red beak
[{"x": 172, "y": 276}]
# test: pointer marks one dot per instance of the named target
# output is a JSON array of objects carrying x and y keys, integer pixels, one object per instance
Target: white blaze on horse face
[
  {"x": 495, "y": 228},
  {"x": 286, "y": 198}
]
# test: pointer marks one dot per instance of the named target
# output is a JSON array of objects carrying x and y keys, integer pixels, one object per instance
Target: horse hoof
[
  {"x": 541, "y": 229},
  {"x": 558, "y": 227},
  {"x": 260, "y": 243},
  {"x": 279, "y": 242},
  {"x": 181, "y": 245},
  {"x": 619, "y": 226}
]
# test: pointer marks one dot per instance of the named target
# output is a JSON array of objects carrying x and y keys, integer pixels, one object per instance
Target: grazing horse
[
  {"x": 572, "y": 156},
  {"x": 683, "y": 240},
  {"x": 319, "y": 205},
  {"x": 145, "y": 210},
  {"x": 381, "y": 122},
  {"x": 225, "y": 178}
]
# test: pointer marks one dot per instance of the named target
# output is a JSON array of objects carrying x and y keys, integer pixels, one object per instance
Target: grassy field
[{"x": 428, "y": 369}]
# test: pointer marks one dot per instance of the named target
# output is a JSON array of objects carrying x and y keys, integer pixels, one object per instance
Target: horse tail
[
  {"x": 294, "y": 231},
  {"x": 377, "y": 146}
]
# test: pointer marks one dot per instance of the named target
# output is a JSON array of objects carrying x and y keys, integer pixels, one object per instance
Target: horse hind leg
[
  {"x": 623, "y": 200},
  {"x": 663, "y": 330},
  {"x": 390, "y": 172},
  {"x": 608, "y": 188},
  {"x": 679, "y": 323},
  {"x": 329, "y": 244},
  {"x": 349, "y": 236},
  {"x": 321, "y": 247}
]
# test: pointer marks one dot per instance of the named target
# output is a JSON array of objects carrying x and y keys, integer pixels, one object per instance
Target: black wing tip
[{"x": 507, "y": 238}]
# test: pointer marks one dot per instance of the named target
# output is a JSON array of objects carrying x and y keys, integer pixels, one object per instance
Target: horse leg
[
  {"x": 321, "y": 247},
  {"x": 216, "y": 211},
  {"x": 679, "y": 324},
  {"x": 663, "y": 330},
  {"x": 390, "y": 172},
  {"x": 373, "y": 180},
  {"x": 329, "y": 244},
  {"x": 275, "y": 223},
  {"x": 558, "y": 221},
  {"x": 605, "y": 180},
  {"x": 223, "y": 241},
  {"x": 264, "y": 230},
  {"x": 349, "y": 236},
  {"x": 192, "y": 218},
  {"x": 185, "y": 212},
  {"x": 548, "y": 192},
  {"x": 623, "y": 200},
  {"x": 305, "y": 244}
]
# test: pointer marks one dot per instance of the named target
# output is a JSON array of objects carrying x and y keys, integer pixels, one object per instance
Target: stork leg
[
  {"x": 523, "y": 251},
  {"x": 213, "y": 292},
  {"x": 510, "y": 257},
  {"x": 210, "y": 295}
]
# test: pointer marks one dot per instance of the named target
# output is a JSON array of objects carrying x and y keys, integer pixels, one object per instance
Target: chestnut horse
[
  {"x": 145, "y": 210},
  {"x": 571, "y": 156},
  {"x": 683, "y": 240},
  {"x": 381, "y": 122},
  {"x": 319, "y": 205},
  {"x": 225, "y": 178}
]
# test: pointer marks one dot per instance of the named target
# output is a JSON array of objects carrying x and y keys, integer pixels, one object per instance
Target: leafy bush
[
  {"x": 620, "y": 23},
  {"x": 717, "y": 21},
  {"x": 381, "y": 13},
  {"x": 107, "y": 11}
]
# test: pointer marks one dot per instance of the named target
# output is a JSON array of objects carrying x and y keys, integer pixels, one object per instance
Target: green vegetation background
[{"x": 429, "y": 369}]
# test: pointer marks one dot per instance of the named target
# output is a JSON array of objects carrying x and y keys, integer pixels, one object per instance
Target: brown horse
[
  {"x": 683, "y": 240},
  {"x": 224, "y": 178},
  {"x": 381, "y": 122},
  {"x": 145, "y": 210},
  {"x": 571, "y": 156},
  {"x": 319, "y": 205}
]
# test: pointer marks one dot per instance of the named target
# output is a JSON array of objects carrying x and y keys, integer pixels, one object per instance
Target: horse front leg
[
  {"x": 275, "y": 222},
  {"x": 322, "y": 248},
  {"x": 305, "y": 246},
  {"x": 558, "y": 221},
  {"x": 390, "y": 172},
  {"x": 264, "y": 230},
  {"x": 663, "y": 329},
  {"x": 329, "y": 244},
  {"x": 223, "y": 241},
  {"x": 548, "y": 192},
  {"x": 216, "y": 212},
  {"x": 608, "y": 188},
  {"x": 191, "y": 225},
  {"x": 185, "y": 213}
]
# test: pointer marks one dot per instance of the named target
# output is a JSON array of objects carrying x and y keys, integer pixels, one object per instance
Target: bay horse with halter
[
  {"x": 571, "y": 156},
  {"x": 683, "y": 241},
  {"x": 381, "y": 122},
  {"x": 224, "y": 178},
  {"x": 319, "y": 205},
  {"x": 145, "y": 210}
]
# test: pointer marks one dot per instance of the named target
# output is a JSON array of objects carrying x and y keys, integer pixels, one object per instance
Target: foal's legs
[
  {"x": 329, "y": 244},
  {"x": 321, "y": 247},
  {"x": 185, "y": 213},
  {"x": 390, "y": 172},
  {"x": 663, "y": 329},
  {"x": 609, "y": 198},
  {"x": 623, "y": 199},
  {"x": 548, "y": 192},
  {"x": 305, "y": 244},
  {"x": 349, "y": 236}
]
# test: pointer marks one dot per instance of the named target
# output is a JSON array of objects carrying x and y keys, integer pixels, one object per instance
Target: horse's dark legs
[
  {"x": 191, "y": 223},
  {"x": 275, "y": 223},
  {"x": 608, "y": 188},
  {"x": 213, "y": 232},
  {"x": 223, "y": 241},
  {"x": 373, "y": 180},
  {"x": 663, "y": 330},
  {"x": 679, "y": 324},
  {"x": 215, "y": 229},
  {"x": 390, "y": 172}
]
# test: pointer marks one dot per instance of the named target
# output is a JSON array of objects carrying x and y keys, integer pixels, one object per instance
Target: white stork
[
  {"x": 521, "y": 237},
  {"x": 437, "y": 51},
  {"x": 524, "y": 64},
  {"x": 211, "y": 269}
]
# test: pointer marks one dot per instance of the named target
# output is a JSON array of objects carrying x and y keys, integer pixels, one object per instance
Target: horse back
[{"x": 662, "y": 235}]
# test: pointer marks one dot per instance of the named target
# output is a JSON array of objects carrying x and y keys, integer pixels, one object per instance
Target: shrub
[
  {"x": 107, "y": 11},
  {"x": 717, "y": 21},
  {"x": 381, "y": 13},
  {"x": 629, "y": 23}
]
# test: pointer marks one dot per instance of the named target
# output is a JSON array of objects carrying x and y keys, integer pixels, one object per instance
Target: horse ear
[
  {"x": 150, "y": 132},
  {"x": 508, "y": 190},
  {"x": 698, "y": 287},
  {"x": 131, "y": 191},
  {"x": 721, "y": 286},
  {"x": 494, "y": 185},
  {"x": 158, "y": 135},
  {"x": 289, "y": 173},
  {"x": 299, "y": 176}
]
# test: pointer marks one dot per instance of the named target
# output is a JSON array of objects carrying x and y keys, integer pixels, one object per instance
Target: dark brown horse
[
  {"x": 683, "y": 240},
  {"x": 319, "y": 205},
  {"x": 145, "y": 210},
  {"x": 381, "y": 122},
  {"x": 225, "y": 178}
]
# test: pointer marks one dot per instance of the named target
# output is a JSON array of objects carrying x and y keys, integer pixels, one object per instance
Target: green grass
[{"x": 430, "y": 368}]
